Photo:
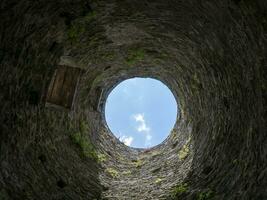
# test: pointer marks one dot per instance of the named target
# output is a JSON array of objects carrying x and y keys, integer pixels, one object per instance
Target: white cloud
[
  {"x": 148, "y": 137},
  {"x": 148, "y": 140},
  {"x": 126, "y": 140},
  {"x": 142, "y": 127}
]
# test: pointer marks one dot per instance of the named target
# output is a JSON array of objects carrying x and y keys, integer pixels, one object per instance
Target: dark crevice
[{"x": 61, "y": 184}]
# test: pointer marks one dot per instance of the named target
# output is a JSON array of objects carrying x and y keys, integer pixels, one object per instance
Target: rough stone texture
[{"x": 211, "y": 54}]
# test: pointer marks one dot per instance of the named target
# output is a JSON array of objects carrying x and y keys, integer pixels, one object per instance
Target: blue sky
[{"x": 141, "y": 112}]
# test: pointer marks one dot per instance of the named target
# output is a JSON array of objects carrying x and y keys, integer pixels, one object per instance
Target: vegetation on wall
[
  {"x": 184, "y": 152},
  {"x": 112, "y": 172},
  {"x": 74, "y": 32},
  {"x": 134, "y": 56},
  {"x": 138, "y": 163},
  {"x": 87, "y": 148},
  {"x": 77, "y": 28},
  {"x": 179, "y": 189},
  {"x": 205, "y": 195},
  {"x": 101, "y": 157},
  {"x": 127, "y": 173},
  {"x": 83, "y": 142}
]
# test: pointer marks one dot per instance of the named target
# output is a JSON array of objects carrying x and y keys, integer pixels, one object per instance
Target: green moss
[
  {"x": 135, "y": 56},
  {"x": 179, "y": 189},
  {"x": 77, "y": 28},
  {"x": 184, "y": 152},
  {"x": 174, "y": 134},
  {"x": 101, "y": 157},
  {"x": 84, "y": 127},
  {"x": 113, "y": 172},
  {"x": 205, "y": 195},
  {"x": 87, "y": 148},
  {"x": 127, "y": 173},
  {"x": 84, "y": 143},
  {"x": 138, "y": 163},
  {"x": 90, "y": 16},
  {"x": 75, "y": 31}
]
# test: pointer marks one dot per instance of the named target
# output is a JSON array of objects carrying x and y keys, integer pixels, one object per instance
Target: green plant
[
  {"x": 90, "y": 16},
  {"x": 127, "y": 173},
  {"x": 138, "y": 163},
  {"x": 205, "y": 195},
  {"x": 77, "y": 28},
  {"x": 113, "y": 172},
  {"x": 75, "y": 31},
  {"x": 87, "y": 148},
  {"x": 179, "y": 189},
  {"x": 101, "y": 157},
  {"x": 173, "y": 133},
  {"x": 83, "y": 127},
  {"x": 134, "y": 56},
  {"x": 184, "y": 152}
]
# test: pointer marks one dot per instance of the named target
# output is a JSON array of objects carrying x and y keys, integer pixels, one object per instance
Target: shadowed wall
[{"x": 211, "y": 54}]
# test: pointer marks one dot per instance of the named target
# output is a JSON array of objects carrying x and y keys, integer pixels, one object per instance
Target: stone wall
[{"x": 212, "y": 55}]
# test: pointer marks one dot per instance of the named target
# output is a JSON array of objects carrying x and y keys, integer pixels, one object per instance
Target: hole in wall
[
  {"x": 61, "y": 183},
  {"x": 42, "y": 158},
  {"x": 141, "y": 112}
]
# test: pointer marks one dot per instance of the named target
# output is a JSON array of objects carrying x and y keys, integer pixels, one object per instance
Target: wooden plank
[
  {"x": 62, "y": 87},
  {"x": 56, "y": 96}
]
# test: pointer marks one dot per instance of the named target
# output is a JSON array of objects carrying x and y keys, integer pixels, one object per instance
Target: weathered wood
[{"x": 63, "y": 86}]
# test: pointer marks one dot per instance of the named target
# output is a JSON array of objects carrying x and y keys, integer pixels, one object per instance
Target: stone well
[{"x": 212, "y": 56}]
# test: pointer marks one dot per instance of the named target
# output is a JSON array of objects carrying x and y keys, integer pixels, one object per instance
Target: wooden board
[{"x": 63, "y": 86}]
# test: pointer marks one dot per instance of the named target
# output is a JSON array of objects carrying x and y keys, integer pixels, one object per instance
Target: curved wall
[{"x": 211, "y": 54}]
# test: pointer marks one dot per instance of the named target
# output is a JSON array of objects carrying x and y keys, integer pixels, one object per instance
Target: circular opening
[{"x": 141, "y": 112}]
